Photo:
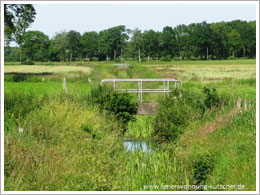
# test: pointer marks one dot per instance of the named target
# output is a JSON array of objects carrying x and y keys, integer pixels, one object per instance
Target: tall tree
[
  {"x": 89, "y": 43},
  {"x": 252, "y": 42},
  {"x": 73, "y": 41},
  {"x": 59, "y": 45},
  {"x": 220, "y": 47},
  {"x": 247, "y": 34},
  {"x": 113, "y": 41},
  {"x": 183, "y": 40},
  {"x": 103, "y": 45},
  {"x": 169, "y": 42},
  {"x": 35, "y": 45},
  {"x": 17, "y": 18},
  {"x": 201, "y": 37},
  {"x": 117, "y": 37},
  {"x": 11, "y": 54},
  {"x": 151, "y": 43},
  {"x": 234, "y": 41},
  {"x": 137, "y": 42}
]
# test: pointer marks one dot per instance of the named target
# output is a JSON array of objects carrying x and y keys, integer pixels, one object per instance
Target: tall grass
[
  {"x": 142, "y": 127},
  {"x": 56, "y": 153},
  {"x": 68, "y": 143},
  {"x": 224, "y": 156}
]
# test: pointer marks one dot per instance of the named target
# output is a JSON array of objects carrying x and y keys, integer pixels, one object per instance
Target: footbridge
[{"x": 166, "y": 83}]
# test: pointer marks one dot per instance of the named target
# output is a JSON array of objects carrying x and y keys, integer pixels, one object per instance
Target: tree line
[{"x": 221, "y": 40}]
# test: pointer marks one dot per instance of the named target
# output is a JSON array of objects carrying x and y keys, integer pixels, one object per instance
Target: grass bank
[{"x": 55, "y": 141}]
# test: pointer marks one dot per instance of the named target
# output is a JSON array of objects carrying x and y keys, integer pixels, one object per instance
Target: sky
[{"x": 53, "y": 18}]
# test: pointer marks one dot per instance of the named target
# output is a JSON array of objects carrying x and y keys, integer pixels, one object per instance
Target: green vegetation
[
  {"x": 141, "y": 128},
  {"x": 205, "y": 132},
  {"x": 63, "y": 131},
  {"x": 175, "y": 113},
  {"x": 47, "y": 69},
  {"x": 121, "y": 105},
  {"x": 196, "y": 41}
]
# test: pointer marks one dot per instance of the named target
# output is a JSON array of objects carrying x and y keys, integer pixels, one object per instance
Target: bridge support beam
[{"x": 140, "y": 90}]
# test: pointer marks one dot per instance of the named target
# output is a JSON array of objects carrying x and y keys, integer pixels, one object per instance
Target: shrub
[
  {"x": 171, "y": 117},
  {"x": 27, "y": 62},
  {"x": 119, "y": 104},
  {"x": 212, "y": 98},
  {"x": 22, "y": 78},
  {"x": 202, "y": 167},
  {"x": 119, "y": 60},
  {"x": 166, "y": 58},
  {"x": 175, "y": 111},
  {"x": 170, "y": 121},
  {"x": 19, "y": 78}
]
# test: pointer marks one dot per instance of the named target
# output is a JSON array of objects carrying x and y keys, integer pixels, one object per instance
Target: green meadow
[{"x": 204, "y": 133}]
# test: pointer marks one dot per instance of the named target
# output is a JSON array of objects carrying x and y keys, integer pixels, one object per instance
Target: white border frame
[{"x": 125, "y": 3}]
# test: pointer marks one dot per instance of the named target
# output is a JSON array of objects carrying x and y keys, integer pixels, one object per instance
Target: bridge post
[
  {"x": 164, "y": 89},
  {"x": 141, "y": 91},
  {"x": 114, "y": 84}
]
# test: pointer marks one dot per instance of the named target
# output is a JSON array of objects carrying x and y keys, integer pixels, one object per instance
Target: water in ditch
[{"x": 140, "y": 144}]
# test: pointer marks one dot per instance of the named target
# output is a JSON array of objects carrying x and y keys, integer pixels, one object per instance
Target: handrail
[{"x": 140, "y": 89}]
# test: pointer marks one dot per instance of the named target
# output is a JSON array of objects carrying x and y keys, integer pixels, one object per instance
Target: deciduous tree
[{"x": 17, "y": 18}]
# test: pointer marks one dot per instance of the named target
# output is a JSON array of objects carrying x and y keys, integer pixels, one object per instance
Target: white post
[
  {"x": 164, "y": 89},
  {"x": 141, "y": 91},
  {"x": 65, "y": 89},
  {"x": 139, "y": 95}
]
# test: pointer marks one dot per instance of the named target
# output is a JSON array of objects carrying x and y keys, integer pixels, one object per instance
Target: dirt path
[{"x": 210, "y": 127}]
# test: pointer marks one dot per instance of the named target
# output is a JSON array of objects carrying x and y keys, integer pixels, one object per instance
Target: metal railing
[{"x": 140, "y": 90}]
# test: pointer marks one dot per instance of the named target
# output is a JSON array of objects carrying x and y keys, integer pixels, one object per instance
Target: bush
[
  {"x": 93, "y": 59},
  {"x": 212, "y": 98},
  {"x": 170, "y": 121},
  {"x": 202, "y": 167},
  {"x": 119, "y": 60},
  {"x": 182, "y": 106},
  {"x": 166, "y": 58},
  {"x": 22, "y": 78},
  {"x": 19, "y": 78},
  {"x": 174, "y": 113},
  {"x": 27, "y": 62},
  {"x": 119, "y": 104}
]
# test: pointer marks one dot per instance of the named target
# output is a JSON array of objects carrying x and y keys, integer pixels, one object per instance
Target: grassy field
[
  {"x": 69, "y": 71},
  {"x": 208, "y": 73},
  {"x": 56, "y": 141}
]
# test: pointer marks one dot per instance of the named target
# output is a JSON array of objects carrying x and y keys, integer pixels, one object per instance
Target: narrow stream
[{"x": 139, "y": 144}]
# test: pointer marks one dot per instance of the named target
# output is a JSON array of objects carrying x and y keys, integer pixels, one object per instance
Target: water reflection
[{"x": 142, "y": 145}]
